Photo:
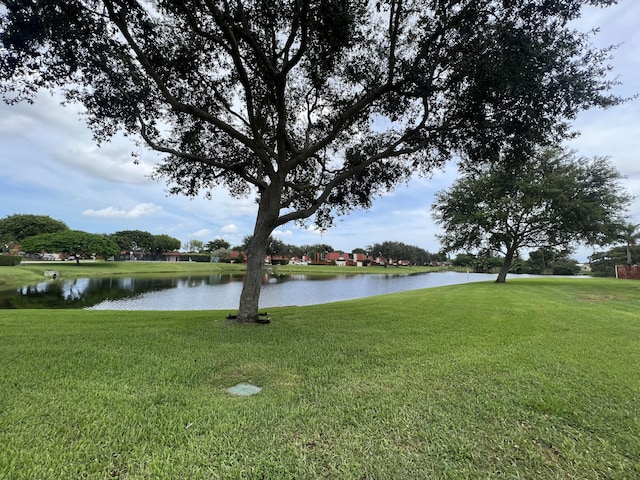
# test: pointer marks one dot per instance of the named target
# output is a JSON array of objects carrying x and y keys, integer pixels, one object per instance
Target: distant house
[
  {"x": 172, "y": 256},
  {"x": 336, "y": 258},
  {"x": 238, "y": 257},
  {"x": 356, "y": 259}
]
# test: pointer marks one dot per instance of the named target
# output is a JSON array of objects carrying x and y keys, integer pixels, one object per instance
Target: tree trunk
[
  {"x": 250, "y": 296},
  {"x": 506, "y": 265},
  {"x": 266, "y": 221}
]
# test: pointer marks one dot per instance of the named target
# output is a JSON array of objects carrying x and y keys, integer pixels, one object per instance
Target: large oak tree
[
  {"x": 555, "y": 200},
  {"x": 312, "y": 106}
]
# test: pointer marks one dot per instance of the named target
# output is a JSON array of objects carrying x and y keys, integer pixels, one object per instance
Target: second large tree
[{"x": 555, "y": 200}]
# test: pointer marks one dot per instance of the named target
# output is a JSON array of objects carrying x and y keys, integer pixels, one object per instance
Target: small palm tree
[{"x": 630, "y": 234}]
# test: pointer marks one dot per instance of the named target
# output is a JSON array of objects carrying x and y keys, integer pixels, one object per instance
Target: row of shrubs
[{"x": 10, "y": 260}]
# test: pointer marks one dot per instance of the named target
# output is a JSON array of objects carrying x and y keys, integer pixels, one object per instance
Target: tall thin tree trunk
[
  {"x": 506, "y": 265},
  {"x": 250, "y": 296},
  {"x": 266, "y": 221}
]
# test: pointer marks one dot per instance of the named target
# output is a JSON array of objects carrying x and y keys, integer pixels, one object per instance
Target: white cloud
[
  {"x": 201, "y": 233},
  {"x": 236, "y": 206},
  {"x": 112, "y": 161},
  {"x": 231, "y": 228},
  {"x": 282, "y": 233},
  {"x": 140, "y": 210},
  {"x": 415, "y": 215},
  {"x": 315, "y": 229}
]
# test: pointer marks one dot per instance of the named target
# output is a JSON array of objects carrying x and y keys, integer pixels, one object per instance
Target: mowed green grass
[{"x": 534, "y": 379}]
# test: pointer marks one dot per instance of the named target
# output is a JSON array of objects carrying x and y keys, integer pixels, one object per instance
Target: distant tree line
[
  {"x": 35, "y": 234},
  {"x": 548, "y": 261},
  {"x": 39, "y": 233},
  {"x": 276, "y": 247},
  {"x": 543, "y": 261},
  {"x": 402, "y": 251}
]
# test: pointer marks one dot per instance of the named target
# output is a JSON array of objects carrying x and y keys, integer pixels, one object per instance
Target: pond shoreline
[
  {"x": 216, "y": 291},
  {"x": 30, "y": 272}
]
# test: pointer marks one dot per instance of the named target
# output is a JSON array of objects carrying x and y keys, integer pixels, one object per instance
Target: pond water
[{"x": 214, "y": 292}]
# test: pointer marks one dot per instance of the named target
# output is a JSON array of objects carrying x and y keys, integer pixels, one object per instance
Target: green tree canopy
[
  {"x": 484, "y": 262},
  {"x": 316, "y": 106},
  {"x": 275, "y": 246},
  {"x": 554, "y": 200},
  {"x": 217, "y": 244},
  {"x": 194, "y": 246},
  {"x": 541, "y": 260},
  {"x": 316, "y": 250},
  {"x": 464, "y": 260},
  {"x": 133, "y": 240},
  {"x": 71, "y": 242},
  {"x": 603, "y": 264},
  {"x": 402, "y": 251},
  {"x": 165, "y": 243},
  {"x": 15, "y": 228}
]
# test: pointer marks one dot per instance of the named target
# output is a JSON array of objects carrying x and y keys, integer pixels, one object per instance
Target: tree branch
[
  {"x": 118, "y": 19},
  {"x": 235, "y": 169}
]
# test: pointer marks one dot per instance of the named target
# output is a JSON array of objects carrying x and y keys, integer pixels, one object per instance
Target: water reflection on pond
[{"x": 218, "y": 291}]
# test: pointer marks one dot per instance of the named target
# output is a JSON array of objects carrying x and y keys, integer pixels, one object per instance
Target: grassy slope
[{"x": 532, "y": 379}]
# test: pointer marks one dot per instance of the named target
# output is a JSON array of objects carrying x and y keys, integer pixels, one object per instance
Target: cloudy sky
[{"x": 51, "y": 166}]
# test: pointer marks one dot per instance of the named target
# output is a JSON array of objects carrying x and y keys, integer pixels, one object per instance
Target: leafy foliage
[
  {"x": 10, "y": 260},
  {"x": 165, "y": 243},
  {"x": 217, "y": 244},
  {"x": 551, "y": 261},
  {"x": 15, "y": 228},
  {"x": 314, "y": 252},
  {"x": 133, "y": 240},
  {"x": 483, "y": 263},
  {"x": 554, "y": 200},
  {"x": 402, "y": 251},
  {"x": 145, "y": 242},
  {"x": 274, "y": 246},
  {"x": 194, "y": 246},
  {"x": 541, "y": 260},
  {"x": 71, "y": 242},
  {"x": 603, "y": 264}
]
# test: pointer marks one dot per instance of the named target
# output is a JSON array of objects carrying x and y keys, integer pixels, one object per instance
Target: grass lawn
[{"x": 533, "y": 379}]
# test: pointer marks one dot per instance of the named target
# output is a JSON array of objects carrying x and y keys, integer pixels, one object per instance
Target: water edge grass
[
  {"x": 536, "y": 378},
  {"x": 31, "y": 272}
]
